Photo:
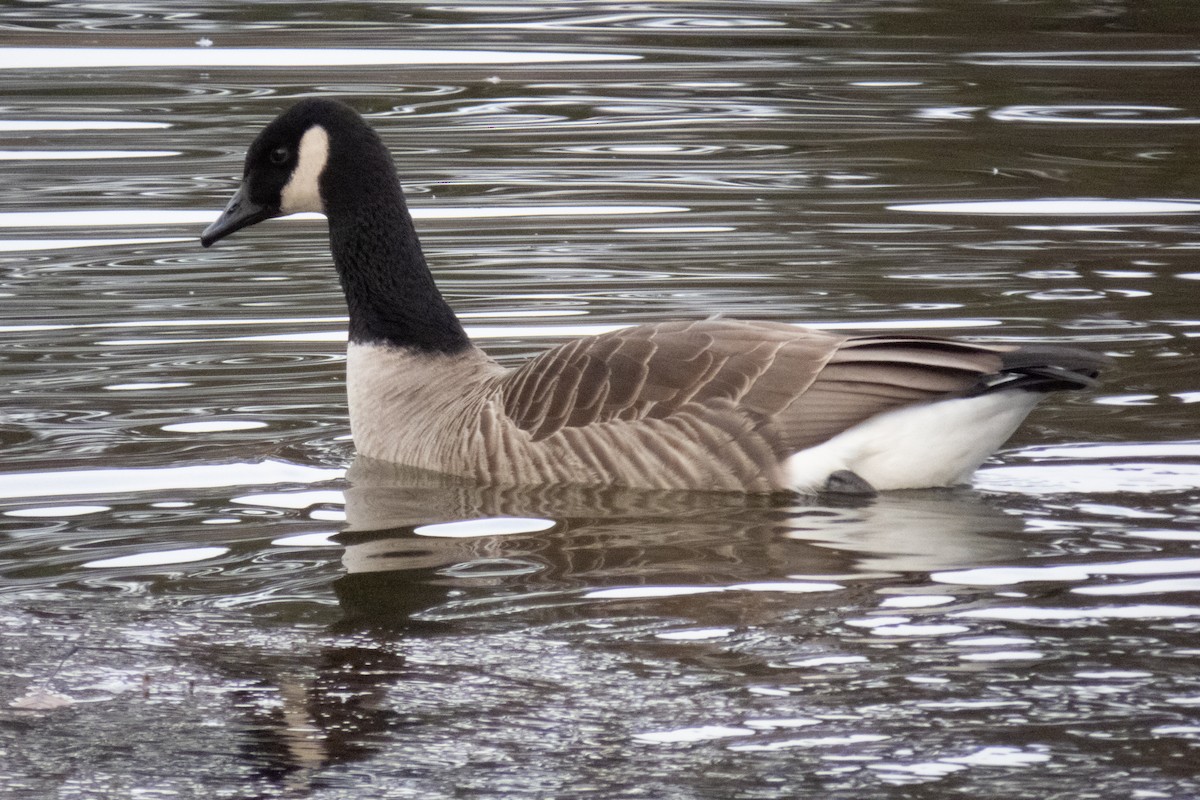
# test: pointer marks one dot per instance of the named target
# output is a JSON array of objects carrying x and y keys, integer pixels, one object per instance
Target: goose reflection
[
  {"x": 424, "y": 550},
  {"x": 426, "y": 555}
]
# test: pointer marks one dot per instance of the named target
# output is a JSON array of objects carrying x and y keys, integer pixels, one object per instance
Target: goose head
[
  {"x": 295, "y": 163},
  {"x": 320, "y": 155}
]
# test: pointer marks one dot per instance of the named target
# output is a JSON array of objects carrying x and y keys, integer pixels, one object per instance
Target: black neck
[{"x": 389, "y": 289}]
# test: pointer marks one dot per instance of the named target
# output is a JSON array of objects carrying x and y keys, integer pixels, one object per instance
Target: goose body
[{"x": 711, "y": 405}]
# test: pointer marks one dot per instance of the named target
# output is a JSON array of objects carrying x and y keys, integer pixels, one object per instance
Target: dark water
[{"x": 196, "y": 601}]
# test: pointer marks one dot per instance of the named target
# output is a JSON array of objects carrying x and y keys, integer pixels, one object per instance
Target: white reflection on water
[
  {"x": 294, "y": 499},
  {"x": 917, "y": 601},
  {"x": 681, "y": 229},
  {"x": 1123, "y": 468},
  {"x": 177, "y": 323},
  {"x": 24, "y": 125},
  {"x": 986, "y": 757},
  {"x": 122, "y": 481},
  {"x": 1113, "y": 674},
  {"x": 885, "y": 84},
  {"x": 1042, "y": 479},
  {"x": 81, "y": 155},
  {"x": 1164, "y": 586},
  {"x": 875, "y": 622},
  {"x": 793, "y": 587},
  {"x": 523, "y": 314},
  {"x": 214, "y": 425},
  {"x": 1053, "y": 207},
  {"x": 1007, "y": 576},
  {"x": 816, "y": 741},
  {"x": 160, "y": 558},
  {"x": 646, "y": 592},
  {"x": 694, "y": 635},
  {"x": 1002, "y": 655},
  {"x": 488, "y": 526},
  {"x": 139, "y": 387},
  {"x": 827, "y": 661},
  {"x": 922, "y": 771},
  {"x": 307, "y": 540},
  {"x": 1175, "y": 730},
  {"x": 108, "y": 57},
  {"x": 698, "y": 734},
  {"x": 1112, "y": 452},
  {"x": 54, "y": 512}
]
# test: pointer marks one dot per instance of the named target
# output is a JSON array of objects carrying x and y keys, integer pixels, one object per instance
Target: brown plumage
[
  {"x": 718, "y": 404},
  {"x": 801, "y": 386}
]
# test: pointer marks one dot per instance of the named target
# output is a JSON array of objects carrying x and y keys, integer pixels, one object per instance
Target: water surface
[{"x": 205, "y": 594}]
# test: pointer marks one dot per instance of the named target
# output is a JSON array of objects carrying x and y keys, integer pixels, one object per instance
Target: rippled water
[{"x": 203, "y": 594}]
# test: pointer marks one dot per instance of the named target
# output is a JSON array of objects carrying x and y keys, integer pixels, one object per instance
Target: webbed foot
[{"x": 845, "y": 481}]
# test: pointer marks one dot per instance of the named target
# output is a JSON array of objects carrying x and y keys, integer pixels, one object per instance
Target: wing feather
[
  {"x": 793, "y": 387},
  {"x": 652, "y": 371}
]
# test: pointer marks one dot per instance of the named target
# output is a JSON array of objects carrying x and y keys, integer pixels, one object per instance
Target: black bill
[{"x": 239, "y": 213}]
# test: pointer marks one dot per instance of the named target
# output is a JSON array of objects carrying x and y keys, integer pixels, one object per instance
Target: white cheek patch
[{"x": 303, "y": 191}]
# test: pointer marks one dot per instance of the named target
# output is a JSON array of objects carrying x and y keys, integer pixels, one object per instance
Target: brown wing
[
  {"x": 651, "y": 371},
  {"x": 802, "y": 384},
  {"x": 869, "y": 375}
]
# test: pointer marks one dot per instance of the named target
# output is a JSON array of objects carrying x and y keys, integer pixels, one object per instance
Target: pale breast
[{"x": 417, "y": 408}]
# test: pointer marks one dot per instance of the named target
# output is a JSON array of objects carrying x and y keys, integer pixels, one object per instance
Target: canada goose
[{"x": 712, "y": 405}]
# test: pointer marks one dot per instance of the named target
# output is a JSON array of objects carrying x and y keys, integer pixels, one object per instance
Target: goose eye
[{"x": 279, "y": 155}]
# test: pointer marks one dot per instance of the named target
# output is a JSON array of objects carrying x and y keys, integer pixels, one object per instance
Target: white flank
[
  {"x": 934, "y": 444},
  {"x": 303, "y": 191}
]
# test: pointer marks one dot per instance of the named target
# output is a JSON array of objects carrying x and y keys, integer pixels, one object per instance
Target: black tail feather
[{"x": 1046, "y": 368}]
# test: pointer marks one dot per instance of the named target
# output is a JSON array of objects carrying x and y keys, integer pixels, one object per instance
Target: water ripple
[
  {"x": 34, "y": 58},
  {"x": 162, "y": 399}
]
